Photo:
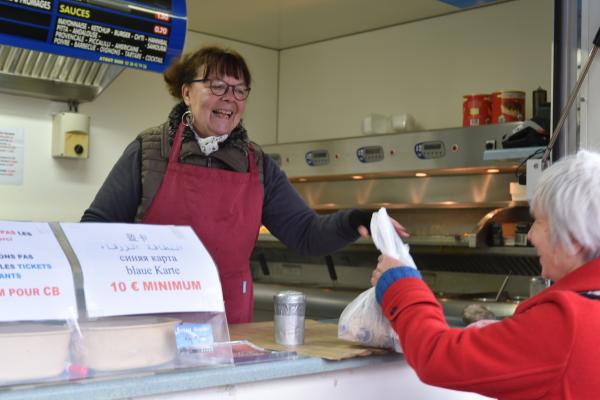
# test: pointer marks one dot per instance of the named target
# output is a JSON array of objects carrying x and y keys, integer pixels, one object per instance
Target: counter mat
[{"x": 320, "y": 340}]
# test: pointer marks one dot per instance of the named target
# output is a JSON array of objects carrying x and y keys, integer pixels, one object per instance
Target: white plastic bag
[
  {"x": 362, "y": 321},
  {"x": 387, "y": 240}
]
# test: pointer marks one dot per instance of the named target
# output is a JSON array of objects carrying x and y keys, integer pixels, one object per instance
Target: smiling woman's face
[{"x": 213, "y": 115}]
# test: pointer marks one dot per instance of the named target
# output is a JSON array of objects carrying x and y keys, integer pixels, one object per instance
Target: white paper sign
[
  {"x": 11, "y": 156},
  {"x": 144, "y": 269},
  {"x": 36, "y": 282}
]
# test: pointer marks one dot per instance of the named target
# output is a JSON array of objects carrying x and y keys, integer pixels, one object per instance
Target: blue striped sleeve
[{"x": 392, "y": 275}]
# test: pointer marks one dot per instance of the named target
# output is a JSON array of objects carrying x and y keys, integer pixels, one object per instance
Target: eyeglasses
[{"x": 219, "y": 88}]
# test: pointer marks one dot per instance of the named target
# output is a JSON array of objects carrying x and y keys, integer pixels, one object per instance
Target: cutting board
[{"x": 320, "y": 340}]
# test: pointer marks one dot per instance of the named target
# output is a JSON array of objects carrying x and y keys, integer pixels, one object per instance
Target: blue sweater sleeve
[
  {"x": 118, "y": 198},
  {"x": 292, "y": 221},
  {"x": 392, "y": 275}
]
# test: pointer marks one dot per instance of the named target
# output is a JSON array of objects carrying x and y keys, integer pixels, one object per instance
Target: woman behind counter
[
  {"x": 199, "y": 168},
  {"x": 549, "y": 348}
]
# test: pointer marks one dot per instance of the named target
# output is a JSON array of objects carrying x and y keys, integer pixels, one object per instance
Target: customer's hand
[{"x": 383, "y": 264}]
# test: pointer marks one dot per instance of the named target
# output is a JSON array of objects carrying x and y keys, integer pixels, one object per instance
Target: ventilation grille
[{"x": 51, "y": 76}]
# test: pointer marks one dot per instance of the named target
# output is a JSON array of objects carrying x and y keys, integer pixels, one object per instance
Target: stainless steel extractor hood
[
  {"x": 54, "y": 77},
  {"x": 438, "y": 183}
]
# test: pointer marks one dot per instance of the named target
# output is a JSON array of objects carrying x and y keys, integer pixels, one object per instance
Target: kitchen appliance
[{"x": 439, "y": 186}]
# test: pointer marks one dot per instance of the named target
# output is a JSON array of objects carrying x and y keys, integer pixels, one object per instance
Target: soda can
[{"x": 290, "y": 307}]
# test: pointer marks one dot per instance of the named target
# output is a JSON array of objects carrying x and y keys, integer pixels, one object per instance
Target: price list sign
[
  {"x": 144, "y": 269},
  {"x": 35, "y": 276},
  {"x": 11, "y": 156},
  {"x": 137, "y": 34}
]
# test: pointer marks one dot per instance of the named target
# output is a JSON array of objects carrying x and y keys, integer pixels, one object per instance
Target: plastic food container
[
  {"x": 112, "y": 344},
  {"x": 31, "y": 351}
]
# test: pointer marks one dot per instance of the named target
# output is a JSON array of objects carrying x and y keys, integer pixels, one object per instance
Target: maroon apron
[{"x": 224, "y": 208}]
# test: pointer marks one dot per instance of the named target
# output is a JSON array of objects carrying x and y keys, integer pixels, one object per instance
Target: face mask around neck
[{"x": 210, "y": 144}]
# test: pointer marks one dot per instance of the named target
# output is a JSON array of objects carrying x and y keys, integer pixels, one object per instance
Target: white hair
[{"x": 568, "y": 196}]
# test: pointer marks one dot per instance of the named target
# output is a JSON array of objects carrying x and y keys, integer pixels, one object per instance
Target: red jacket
[{"x": 549, "y": 349}]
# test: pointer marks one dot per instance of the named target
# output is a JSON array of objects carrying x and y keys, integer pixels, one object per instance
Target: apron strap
[
  {"x": 176, "y": 146},
  {"x": 251, "y": 160}
]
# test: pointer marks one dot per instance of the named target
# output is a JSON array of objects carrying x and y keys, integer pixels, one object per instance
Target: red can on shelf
[
  {"x": 508, "y": 106},
  {"x": 477, "y": 109}
]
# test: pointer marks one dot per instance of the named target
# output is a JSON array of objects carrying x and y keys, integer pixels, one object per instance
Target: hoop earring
[{"x": 187, "y": 118}]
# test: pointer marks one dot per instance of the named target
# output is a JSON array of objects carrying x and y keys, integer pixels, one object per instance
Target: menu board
[
  {"x": 35, "y": 275},
  {"x": 144, "y": 269},
  {"x": 137, "y": 34}
]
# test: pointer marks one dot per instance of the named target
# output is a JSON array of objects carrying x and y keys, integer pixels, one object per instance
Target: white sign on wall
[
  {"x": 11, "y": 156},
  {"x": 35, "y": 276},
  {"x": 144, "y": 269}
]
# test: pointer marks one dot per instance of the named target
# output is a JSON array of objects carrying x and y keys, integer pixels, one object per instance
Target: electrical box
[{"x": 70, "y": 135}]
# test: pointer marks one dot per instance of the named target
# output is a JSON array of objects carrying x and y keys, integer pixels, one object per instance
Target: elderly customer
[
  {"x": 199, "y": 168},
  {"x": 549, "y": 348}
]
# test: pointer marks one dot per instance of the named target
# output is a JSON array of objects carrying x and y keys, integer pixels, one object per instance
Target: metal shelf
[
  {"x": 422, "y": 206},
  {"x": 417, "y": 247},
  {"x": 517, "y": 153}
]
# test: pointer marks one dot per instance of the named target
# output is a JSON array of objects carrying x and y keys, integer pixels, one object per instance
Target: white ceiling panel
[{"x": 281, "y": 24}]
